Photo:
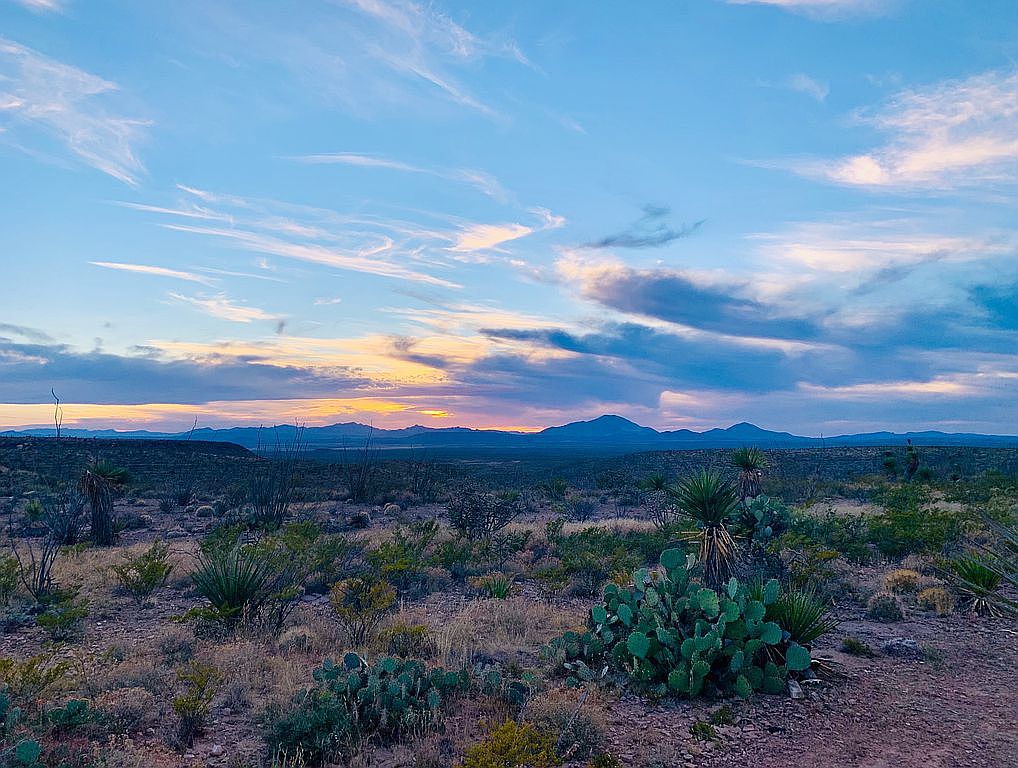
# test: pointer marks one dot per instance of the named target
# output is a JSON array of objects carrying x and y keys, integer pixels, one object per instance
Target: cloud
[
  {"x": 480, "y": 180},
  {"x": 363, "y": 243},
  {"x": 952, "y": 134},
  {"x": 222, "y": 307},
  {"x": 33, "y": 335},
  {"x": 648, "y": 232},
  {"x": 41, "y": 95},
  {"x": 145, "y": 269},
  {"x": 683, "y": 298},
  {"x": 472, "y": 238},
  {"x": 808, "y": 85},
  {"x": 824, "y": 9},
  {"x": 50, "y": 6}
]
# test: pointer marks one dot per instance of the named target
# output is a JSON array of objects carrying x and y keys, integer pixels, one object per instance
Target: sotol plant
[{"x": 673, "y": 636}]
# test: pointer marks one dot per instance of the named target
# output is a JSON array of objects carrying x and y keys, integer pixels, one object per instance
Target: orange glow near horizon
[{"x": 380, "y": 412}]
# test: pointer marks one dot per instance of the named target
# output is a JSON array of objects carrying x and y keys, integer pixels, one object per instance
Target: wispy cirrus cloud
[
  {"x": 147, "y": 269},
  {"x": 474, "y": 238},
  {"x": 480, "y": 180},
  {"x": 50, "y": 6},
  {"x": 224, "y": 308},
  {"x": 803, "y": 83},
  {"x": 824, "y": 9},
  {"x": 952, "y": 134},
  {"x": 42, "y": 96}
]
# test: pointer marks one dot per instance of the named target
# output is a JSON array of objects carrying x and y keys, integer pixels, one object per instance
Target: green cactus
[{"x": 669, "y": 635}]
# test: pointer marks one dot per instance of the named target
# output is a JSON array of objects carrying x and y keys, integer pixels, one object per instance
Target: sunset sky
[{"x": 799, "y": 213}]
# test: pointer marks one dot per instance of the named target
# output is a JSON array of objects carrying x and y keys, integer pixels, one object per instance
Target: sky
[{"x": 798, "y": 213}]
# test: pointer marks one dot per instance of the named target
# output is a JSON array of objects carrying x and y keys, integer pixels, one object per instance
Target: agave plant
[
  {"x": 803, "y": 614},
  {"x": 709, "y": 500},
  {"x": 978, "y": 580},
  {"x": 751, "y": 462},
  {"x": 100, "y": 481}
]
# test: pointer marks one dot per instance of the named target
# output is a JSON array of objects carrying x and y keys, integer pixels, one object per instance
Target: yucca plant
[
  {"x": 708, "y": 500},
  {"x": 100, "y": 481},
  {"x": 496, "y": 585},
  {"x": 751, "y": 462},
  {"x": 236, "y": 581},
  {"x": 978, "y": 581}
]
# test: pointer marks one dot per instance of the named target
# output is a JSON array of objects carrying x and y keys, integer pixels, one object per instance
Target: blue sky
[{"x": 793, "y": 212}]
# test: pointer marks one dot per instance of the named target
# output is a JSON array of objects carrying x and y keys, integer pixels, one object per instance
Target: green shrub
[
  {"x": 845, "y": 535},
  {"x": 143, "y": 574},
  {"x": 911, "y": 524},
  {"x": 672, "y": 636},
  {"x": 8, "y": 578},
  {"x": 360, "y": 605},
  {"x": 25, "y": 681},
  {"x": 512, "y": 745},
  {"x": 192, "y": 707},
  {"x": 402, "y": 559},
  {"x": 856, "y": 647},
  {"x": 701, "y": 730},
  {"x": 884, "y": 607},
  {"x": 64, "y": 618},
  {"x": 355, "y": 701},
  {"x": 406, "y": 641}
]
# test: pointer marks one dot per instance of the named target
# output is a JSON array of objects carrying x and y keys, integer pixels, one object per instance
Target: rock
[
  {"x": 392, "y": 509},
  {"x": 903, "y": 648},
  {"x": 217, "y": 750},
  {"x": 795, "y": 690}
]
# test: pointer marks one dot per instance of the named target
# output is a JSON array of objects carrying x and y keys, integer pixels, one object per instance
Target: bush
[
  {"x": 127, "y": 708},
  {"x": 8, "y": 578},
  {"x": 936, "y": 599},
  {"x": 495, "y": 585},
  {"x": 64, "y": 618},
  {"x": 910, "y": 524},
  {"x": 671, "y": 636},
  {"x": 978, "y": 582},
  {"x": 360, "y": 606},
  {"x": 193, "y": 706},
  {"x": 356, "y": 701},
  {"x": 143, "y": 574},
  {"x": 578, "y": 732},
  {"x": 406, "y": 641},
  {"x": 512, "y": 745},
  {"x": 402, "y": 559},
  {"x": 476, "y": 514},
  {"x": 25, "y": 681},
  {"x": 884, "y": 607}
]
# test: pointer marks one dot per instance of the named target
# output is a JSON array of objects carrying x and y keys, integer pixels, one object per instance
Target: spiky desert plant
[
  {"x": 100, "y": 481},
  {"x": 236, "y": 581},
  {"x": 804, "y": 615},
  {"x": 751, "y": 462},
  {"x": 978, "y": 581},
  {"x": 708, "y": 500}
]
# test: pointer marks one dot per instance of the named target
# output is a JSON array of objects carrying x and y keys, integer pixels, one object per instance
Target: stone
[
  {"x": 903, "y": 648},
  {"x": 795, "y": 690}
]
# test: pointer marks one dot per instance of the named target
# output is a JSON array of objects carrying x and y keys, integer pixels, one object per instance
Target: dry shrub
[
  {"x": 129, "y": 708},
  {"x": 513, "y": 627},
  {"x": 884, "y": 607},
  {"x": 902, "y": 580},
  {"x": 936, "y": 599},
  {"x": 575, "y": 723}
]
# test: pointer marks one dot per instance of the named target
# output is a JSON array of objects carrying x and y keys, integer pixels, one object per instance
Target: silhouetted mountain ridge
[{"x": 605, "y": 434}]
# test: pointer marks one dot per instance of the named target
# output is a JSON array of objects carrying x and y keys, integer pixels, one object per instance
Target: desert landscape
[{"x": 278, "y": 610}]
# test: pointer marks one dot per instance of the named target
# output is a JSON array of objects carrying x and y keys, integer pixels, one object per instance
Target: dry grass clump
[
  {"x": 936, "y": 599},
  {"x": 570, "y": 717},
  {"x": 885, "y": 608},
  {"x": 902, "y": 580},
  {"x": 514, "y": 627},
  {"x": 254, "y": 675},
  {"x": 130, "y": 708}
]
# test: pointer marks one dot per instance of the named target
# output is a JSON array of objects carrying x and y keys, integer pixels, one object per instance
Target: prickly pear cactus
[{"x": 671, "y": 636}]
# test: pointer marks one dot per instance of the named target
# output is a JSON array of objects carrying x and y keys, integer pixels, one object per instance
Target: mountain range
[{"x": 604, "y": 435}]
